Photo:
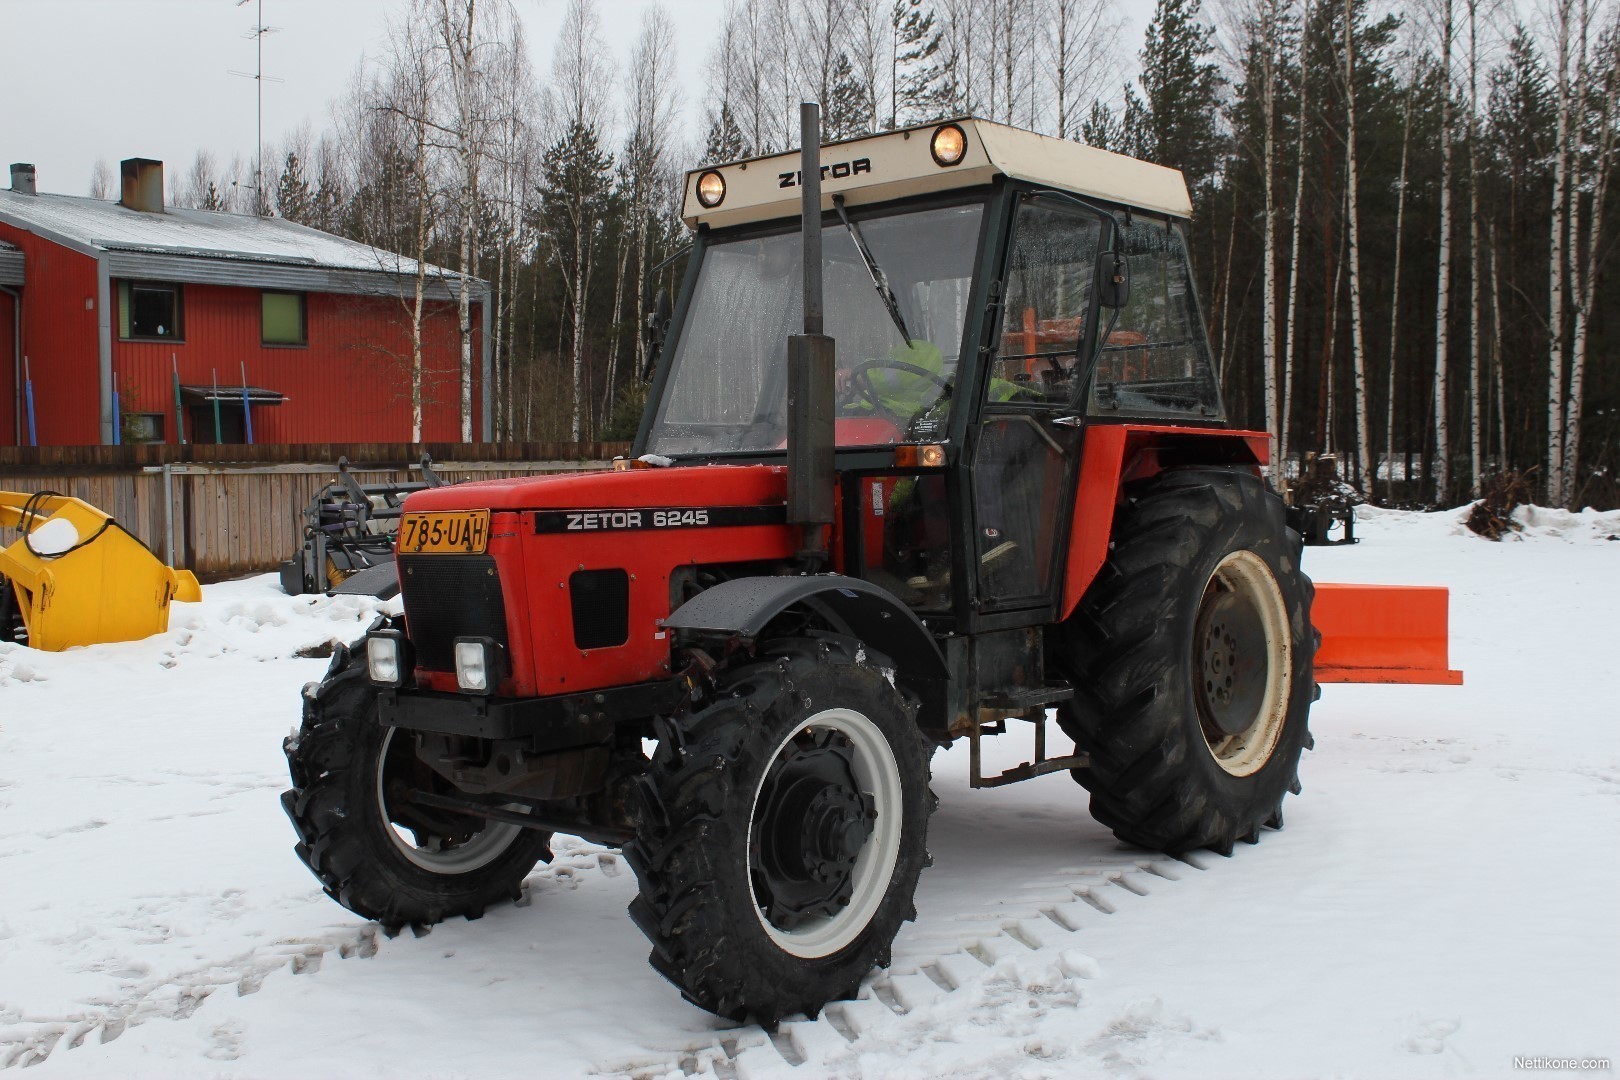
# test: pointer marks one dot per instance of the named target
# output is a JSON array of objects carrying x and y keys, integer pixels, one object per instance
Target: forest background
[{"x": 1404, "y": 214}]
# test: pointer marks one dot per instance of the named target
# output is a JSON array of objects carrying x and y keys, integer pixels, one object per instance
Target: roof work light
[
  {"x": 711, "y": 189},
  {"x": 949, "y": 145}
]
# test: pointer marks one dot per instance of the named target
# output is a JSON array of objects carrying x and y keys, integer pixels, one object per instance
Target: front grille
[
  {"x": 601, "y": 603},
  {"x": 446, "y": 597}
]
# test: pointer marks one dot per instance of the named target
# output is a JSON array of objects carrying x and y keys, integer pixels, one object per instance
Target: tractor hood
[{"x": 637, "y": 488}]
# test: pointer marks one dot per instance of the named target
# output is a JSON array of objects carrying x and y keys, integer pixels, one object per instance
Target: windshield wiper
[{"x": 879, "y": 281}]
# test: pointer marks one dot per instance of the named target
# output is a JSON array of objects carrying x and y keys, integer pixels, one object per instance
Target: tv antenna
[{"x": 257, "y": 34}]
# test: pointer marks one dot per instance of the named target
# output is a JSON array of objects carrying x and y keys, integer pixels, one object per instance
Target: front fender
[{"x": 743, "y": 607}]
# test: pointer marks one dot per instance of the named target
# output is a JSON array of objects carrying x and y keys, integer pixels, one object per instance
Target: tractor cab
[{"x": 972, "y": 344}]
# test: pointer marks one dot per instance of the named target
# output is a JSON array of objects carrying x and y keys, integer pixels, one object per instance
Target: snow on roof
[{"x": 198, "y": 234}]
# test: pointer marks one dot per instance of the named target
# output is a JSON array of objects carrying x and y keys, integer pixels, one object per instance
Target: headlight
[
  {"x": 949, "y": 145},
  {"x": 711, "y": 189},
  {"x": 388, "y": 658},
  {"x": 479, "y": 665}
]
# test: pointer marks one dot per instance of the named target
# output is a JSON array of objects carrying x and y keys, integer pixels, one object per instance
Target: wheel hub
[
  {"x": 812, "y": 823},
  {"x": 1232, "y": 661}
]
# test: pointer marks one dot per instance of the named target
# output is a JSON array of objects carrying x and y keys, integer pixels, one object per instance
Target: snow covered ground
[{"x": 1441, "y": 901}]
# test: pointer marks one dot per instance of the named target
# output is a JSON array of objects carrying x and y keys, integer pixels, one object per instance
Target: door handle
[{"x": 1069, "y": 421}]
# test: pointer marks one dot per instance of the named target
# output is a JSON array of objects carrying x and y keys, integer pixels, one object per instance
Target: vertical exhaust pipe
[{"x": 810, "y": 403}]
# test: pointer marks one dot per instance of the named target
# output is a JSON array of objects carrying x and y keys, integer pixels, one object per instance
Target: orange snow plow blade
[{"x": 1383, "y": 634}]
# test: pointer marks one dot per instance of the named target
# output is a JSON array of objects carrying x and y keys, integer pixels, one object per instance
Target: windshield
[{"x": 727, "y": 389}]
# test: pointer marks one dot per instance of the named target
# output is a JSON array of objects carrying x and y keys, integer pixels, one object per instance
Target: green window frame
[
  {"x": 283, "y": 318},
  {"x": 151, "y": 311}
]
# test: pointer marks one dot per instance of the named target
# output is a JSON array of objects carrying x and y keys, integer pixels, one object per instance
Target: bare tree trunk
[
  {"x": 1395, "y": 287},
  {"x": 1357, "y": 344},
  {"x": 1475, "y": 478},
  {"x": 1496, "y": 355},
  {"x": 613, "y": 348},
  {"x": 1555, "y": 285},
  {"x": 1226, "y": 293},
  {"x": 1269, "y": 47},
  {"x": 577, "y": 344},
  {"x": 1588, "y": 251},
  {"x": 1442, "y": 304},
  {"x": 1293, "y": 258}
]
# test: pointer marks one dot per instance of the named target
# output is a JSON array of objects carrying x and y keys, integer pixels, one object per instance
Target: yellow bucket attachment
[{"x": 79, "y": 578}]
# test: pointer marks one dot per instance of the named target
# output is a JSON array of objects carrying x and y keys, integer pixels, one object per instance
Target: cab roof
[{"x": 895, "y": 164}]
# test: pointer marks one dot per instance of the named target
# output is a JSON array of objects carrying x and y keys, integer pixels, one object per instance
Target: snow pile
[
  {"x": 53, "y": 537},
  {"x": 1439, "y": 902}
]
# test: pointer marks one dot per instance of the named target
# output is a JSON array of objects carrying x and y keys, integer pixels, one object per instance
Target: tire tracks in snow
[
  {"x": 28, "y": 1039},
  {"x": 1023, "y": 939}
]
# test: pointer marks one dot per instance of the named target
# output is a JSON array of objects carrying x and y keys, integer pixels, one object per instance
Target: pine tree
[
  {"x": 293, "y": 198},
  {"x": 1102, "y": 129},
  {"x": 726, "y": 141},
  {"x": 845, "y": 113},
  {"x": 1182, "y": 85},
  {"x": 576, "y": 202},
  {"x": 917, "y": 81}
]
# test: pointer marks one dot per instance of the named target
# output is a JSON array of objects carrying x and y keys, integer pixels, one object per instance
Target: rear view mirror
[
  {"x": 654, "y": 328},
  {"x": 1113, "y": 280}
]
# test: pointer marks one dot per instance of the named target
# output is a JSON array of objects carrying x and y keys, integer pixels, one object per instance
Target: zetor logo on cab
[{"x": 837, "y": 171}]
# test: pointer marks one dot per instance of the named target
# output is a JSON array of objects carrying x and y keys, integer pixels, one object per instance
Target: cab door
[{"x": 1026, "y": 443}]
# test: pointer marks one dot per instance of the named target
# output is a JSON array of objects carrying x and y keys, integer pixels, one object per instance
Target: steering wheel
[{"x": 858, "y": 390}]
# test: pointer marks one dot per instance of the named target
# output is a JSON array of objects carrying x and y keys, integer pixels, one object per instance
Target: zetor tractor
[{"x": 991, "y": 478}]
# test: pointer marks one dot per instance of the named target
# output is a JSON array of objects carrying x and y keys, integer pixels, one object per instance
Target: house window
[
  {"x": 150, "y": 312},
  {"x": 143, "y": 427},
  {"x": 282, "y": 319}
]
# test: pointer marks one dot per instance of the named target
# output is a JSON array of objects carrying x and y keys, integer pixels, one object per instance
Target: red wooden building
[{"x": 101, "y": 297}]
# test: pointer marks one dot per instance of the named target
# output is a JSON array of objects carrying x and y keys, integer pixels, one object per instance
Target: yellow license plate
[{"x": 458, "y": 532}]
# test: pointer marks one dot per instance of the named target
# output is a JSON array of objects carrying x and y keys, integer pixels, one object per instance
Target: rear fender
[
  {"x": 1115, "y": 455},
  {"x": 743, "y": 607}
]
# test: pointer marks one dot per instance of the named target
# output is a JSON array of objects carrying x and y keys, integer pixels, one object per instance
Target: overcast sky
[{"x": 88, "y": 79}]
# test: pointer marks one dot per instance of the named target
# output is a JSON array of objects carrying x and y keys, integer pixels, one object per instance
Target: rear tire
[
  {"x": 357, "y": 832},
  {"x": 1191, "y": 655},
  {"x": 782, "y": 831}
]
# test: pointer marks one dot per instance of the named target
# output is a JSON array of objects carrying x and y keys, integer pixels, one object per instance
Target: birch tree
[
  {"x": 1442, "y": 303},
  {"x": 1358, "y": 347},
  {"x": 1587, "y": 248},
  {"x": 1294, "y": 249},
  {"x": 575, "y": 167},
  {"x": 1562, "y": 29},
  {"x": 1395, "y": 279},
  {"x": 1474, "y": 263}
]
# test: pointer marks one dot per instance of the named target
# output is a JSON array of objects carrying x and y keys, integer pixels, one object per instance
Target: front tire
[
  {"x": 783, "y": 829},
  {"x": 372, "y": 850},
  {"x": 1191, "y": 655}
]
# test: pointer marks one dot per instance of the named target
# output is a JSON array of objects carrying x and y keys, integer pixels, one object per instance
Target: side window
[
  {"x": 1047, "y": 301},
  {"x": 1156, "y": 361},
  {"x": 149, "y": 311}
]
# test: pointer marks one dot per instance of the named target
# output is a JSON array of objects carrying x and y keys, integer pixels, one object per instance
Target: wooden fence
[{"x": 222, "y": 511}]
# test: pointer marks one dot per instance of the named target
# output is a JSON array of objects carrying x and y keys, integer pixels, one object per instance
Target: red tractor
[{"x": 992, "y": 477}]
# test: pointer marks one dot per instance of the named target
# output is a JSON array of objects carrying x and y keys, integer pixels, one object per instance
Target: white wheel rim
[
  {"x": 485, "y": 846},
  {"x": 1245, "y": 753},
  {"x": 878, "y": 775}
]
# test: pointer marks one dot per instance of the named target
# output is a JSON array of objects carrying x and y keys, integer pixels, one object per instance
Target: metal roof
[
  {"x": 210, "y": 247},
  {"x": 11, "y": 265},
  {"x": 257, "y": 395},
  {"x": 893, "y": 164}
]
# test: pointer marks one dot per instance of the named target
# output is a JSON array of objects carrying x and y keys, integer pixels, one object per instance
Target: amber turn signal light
[{"x": 930, "y": 456}]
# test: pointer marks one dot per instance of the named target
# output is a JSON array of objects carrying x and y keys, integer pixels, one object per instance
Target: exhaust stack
[{"x": 810, "y": 404}]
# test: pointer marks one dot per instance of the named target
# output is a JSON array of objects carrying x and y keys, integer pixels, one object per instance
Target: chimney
[
  {"x": 22, "y": 179},
  {"x": 141, "y": 186}
]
